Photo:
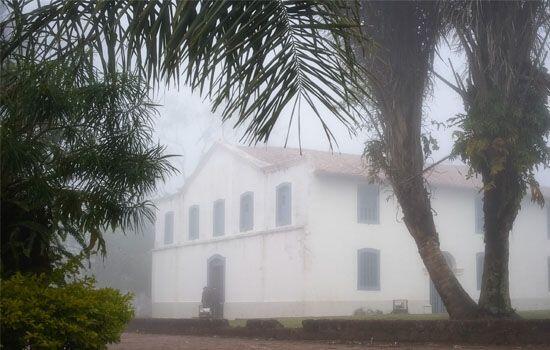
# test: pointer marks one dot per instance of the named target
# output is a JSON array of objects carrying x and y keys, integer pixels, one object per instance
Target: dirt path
[{"x": 134, "y": 341}]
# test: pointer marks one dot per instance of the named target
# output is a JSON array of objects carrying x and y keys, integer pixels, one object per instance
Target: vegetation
[
  {"x": 407, "y": 34},
  {"x": 257, "y": 59},
  {"x": 253, "y": 59},
  {"x": 296, "y": 322},
  {"x": 127, "y": 266},
  {"x": 41, "y": 311},
  {"x": 503, "y": 135},
  {"x": 77, "y": 156}
]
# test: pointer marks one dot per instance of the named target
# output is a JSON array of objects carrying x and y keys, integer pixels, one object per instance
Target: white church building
[{"x": 288, "y": 234}]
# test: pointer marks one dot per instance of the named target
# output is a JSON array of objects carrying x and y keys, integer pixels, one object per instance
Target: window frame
[
  {"x": 219, "y": 204},
  {"x": 191, "y": 234},
  {"x": 246, "y": 224},
  {"x": 360, "y": 190},
  {"x": 278, "y": 219},
  {"x": 377, "y": 283},
  {"x": 168, "y": 214}
]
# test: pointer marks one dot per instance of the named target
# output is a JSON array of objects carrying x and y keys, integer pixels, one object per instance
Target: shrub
[{"x": 38, "y": 313}]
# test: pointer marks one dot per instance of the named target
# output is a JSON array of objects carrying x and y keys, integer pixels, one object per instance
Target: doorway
[
  {"x": 435, "y": 299},
  {"x": 215, "y": 276}
]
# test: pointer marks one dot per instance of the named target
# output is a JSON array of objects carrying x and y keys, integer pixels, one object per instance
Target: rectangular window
[
  {"x": 547, "y": 201},
  {"x": 194, "y": 222},
  {"x": 480, "y": 217},
  {"x": 219, "y": 218},
  {"x": 480, "y": 258},
  {"x": 368, "y": 269},
  {"x": 283, "y": 215},
  {"x": 368, "y": 204},
  {"x": 169, "y": 227},
  {"x": 246, "y": 217}
]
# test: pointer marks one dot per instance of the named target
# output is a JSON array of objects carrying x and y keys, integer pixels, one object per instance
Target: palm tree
[
  {"x": 407, "y": 34},
  {"x": 77, "y": 156},
  {"x": 504, "y": 132},
  {"x": 251, "y": 58},
  {"x": 255, "y": 58}
]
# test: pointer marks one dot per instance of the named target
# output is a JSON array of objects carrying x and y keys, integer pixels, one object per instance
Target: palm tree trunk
[
  {"x": 501, "y": 205},
  {"x": 406, "y": 34},
  {"x": 415, "y": 203}
]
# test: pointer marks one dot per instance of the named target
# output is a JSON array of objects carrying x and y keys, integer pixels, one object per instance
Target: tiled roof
[{"x": 351, "y": 164}]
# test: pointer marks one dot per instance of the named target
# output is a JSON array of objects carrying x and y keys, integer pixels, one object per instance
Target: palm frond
[{"x": 251, "y": 58}]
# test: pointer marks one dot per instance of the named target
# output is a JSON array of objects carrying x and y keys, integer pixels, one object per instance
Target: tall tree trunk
[
  {"x": 504, "y": 132},
  {"x": 418, "y": 217},
  {"x": 405, "y": 35},
  {"x": 501, "y": 204},
  {"x": 405, "y": 170}
]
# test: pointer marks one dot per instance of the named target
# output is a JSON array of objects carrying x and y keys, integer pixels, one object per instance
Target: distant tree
[
  {"x": 503, "y": 134},
  {"x": 405, "y": 34},
  {"x": 127, "y": 265},
  {"x": 76, "y": 157}
]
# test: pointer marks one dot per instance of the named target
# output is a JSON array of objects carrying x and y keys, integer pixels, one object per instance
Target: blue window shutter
[
  {"x": 246, "y": 217},
  {"x": 169, "y": 227},
  {"x": 368, "y": 204},
  {"x": 219, "y": 218},
  {"x": 368, "y": 269},
  {"x": 283, "y": 214},
  {"x": 480, "y": 258},
  {"x": 194, "y": 222},
  {"x": 361, "y": 284},
  {"x": 479, "y": 214}
]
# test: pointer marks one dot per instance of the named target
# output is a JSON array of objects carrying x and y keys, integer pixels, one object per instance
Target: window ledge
[{"x": 230, "y": 237}]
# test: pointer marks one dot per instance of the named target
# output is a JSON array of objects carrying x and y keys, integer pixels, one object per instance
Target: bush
[{"x": 38, "y": 313}]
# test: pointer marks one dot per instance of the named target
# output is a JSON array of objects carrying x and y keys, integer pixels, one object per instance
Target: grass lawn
[{"x": 296, "y": 322}]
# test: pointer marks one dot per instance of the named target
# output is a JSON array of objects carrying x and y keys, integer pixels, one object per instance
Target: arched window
[
  {"x": 246, "y": 216},
  {"x": 368, "y": 269},
  {"x": 194, "y": 222},
  {"x": 219, "y": 218},
  {"x": 283, "y": 215},
  {"x": 169, "y": 227}
]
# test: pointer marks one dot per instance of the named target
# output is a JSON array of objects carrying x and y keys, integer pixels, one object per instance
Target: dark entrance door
[
  {"x": 435, "y": 299},
  {"x": 216, "y": 283}
]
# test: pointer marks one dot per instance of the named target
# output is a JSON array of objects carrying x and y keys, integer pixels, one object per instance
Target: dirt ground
[{"x": 135, "y": 341}]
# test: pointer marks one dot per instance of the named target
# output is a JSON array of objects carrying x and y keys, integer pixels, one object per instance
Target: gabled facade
[{"x": 289, "y": 234}]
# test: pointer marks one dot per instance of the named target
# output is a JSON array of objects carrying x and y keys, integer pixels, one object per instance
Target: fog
[
  {"x": 326, "y": 257},
  {"x": 188, "y": 127}
]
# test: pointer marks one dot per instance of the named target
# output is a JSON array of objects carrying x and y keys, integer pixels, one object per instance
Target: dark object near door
[
  {"x": 400, "y": 306},
  {"x": 216, "y": 284}
]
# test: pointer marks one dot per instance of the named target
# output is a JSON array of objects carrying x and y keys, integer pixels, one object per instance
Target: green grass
[
  {"x": 535, "y": 314},
  {"x": 296, "y": 322}
]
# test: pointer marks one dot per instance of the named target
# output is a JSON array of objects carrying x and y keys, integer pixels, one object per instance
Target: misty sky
[{"x": 188, "y": 128}]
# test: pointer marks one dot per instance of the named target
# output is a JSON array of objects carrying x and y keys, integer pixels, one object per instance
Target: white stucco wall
[
  {"x": 264, "y": 267},
  {"x": 310, "y": 267},
  {"x": 336, "y": 237}
]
